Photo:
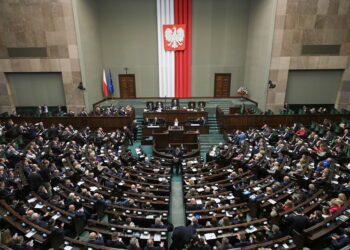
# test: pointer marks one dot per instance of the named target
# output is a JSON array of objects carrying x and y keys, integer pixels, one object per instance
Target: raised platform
[{"x": 211, "y": 103}]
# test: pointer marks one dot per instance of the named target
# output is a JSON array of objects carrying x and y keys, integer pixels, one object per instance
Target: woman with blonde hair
[
  {"x": 269, "y": 191},
  {"x": 342, "y": 198},
  {"x": 191, "y": 182},
  {"x": 225, "y": 221},
  {"x": 334, "y": 206},
  {"x": 287, "y": 205}
]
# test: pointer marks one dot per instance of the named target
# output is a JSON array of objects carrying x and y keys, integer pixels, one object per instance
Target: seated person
[
  {"x": 150, "y": 106},
  {"x": 175, "y": 104},
  {"x": 159, "y": 106},
  {"x": 156, "y": 122},
  {"x": 193, "y": 205},
  {"x": 201, "y": 121},
  {"x": 146, "y": 121},
  {"x": 191, "y": 105},
  {"x": 115, "y": 241},
  {"x": 341, "y": 240},
  {"x": 95, "y": 238},
  {"x": 201, "y": 105}
]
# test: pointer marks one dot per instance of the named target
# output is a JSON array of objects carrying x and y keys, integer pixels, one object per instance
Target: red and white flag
[
  {"x": 104, "y": 84},
  {"x": 174, "y": 20}
]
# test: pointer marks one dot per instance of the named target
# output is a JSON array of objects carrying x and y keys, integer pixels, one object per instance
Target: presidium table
[{"x": 181, "y": 115}]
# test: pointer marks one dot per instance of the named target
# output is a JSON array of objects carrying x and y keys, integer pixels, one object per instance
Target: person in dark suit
[
  {"x": 315, "y": 217},
  {"x": 274, "y": 233},
  {"x": 339, "y": 241},
  {"x": 175, "y": 104},
  {"x": 115, "y": 241},
  {"x": 297, "y": 221},
  {"x": 242, "y": 240},
  {"x": 285, "y": 108},
  {"x": 159, "y": 106},
  {"x": 96, "y": 239},
  {"x": 128, "y": 135},
  {"x": 224, "y": 244},
  {"x": 177, "y": 155},
  {"x": 146, "y": 122},
  {"x": 150, "y": 245},
  {"x": 150, "y": 106},
  {"x": 34, "y": 178},
  {"x": 134, "y": 244},
  {"x": 201, "y": 105},
  {"x": 134, "y": 129},
  {"x": 158, "y": 223},
  {"x": 193, "y": 205},
  {"x": 37, "y": 220},
  {"x": 191, "y": 105},
  {"x": 155, "y": 122},
  {"x": 5, "y": 192},
  {"x": 18, "y": 244},
  {"x": 181, "y": 236}
]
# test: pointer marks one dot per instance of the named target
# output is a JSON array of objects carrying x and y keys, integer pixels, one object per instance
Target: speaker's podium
[{"x": 175, "y": 136}]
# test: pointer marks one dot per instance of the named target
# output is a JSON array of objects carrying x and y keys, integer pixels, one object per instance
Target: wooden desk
[
  {"x": 181, "y": 115},
  {"x": 176, "y": 136},
  {"x": 228, "y": 122},
  {"x": 173, "y": 136},
  {"x": 148, "y": 131},
  {"x": 108, "y": 123}
]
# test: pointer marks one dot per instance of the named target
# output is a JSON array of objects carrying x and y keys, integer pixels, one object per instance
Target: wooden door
[
  {"x": 222, "y": 85},
  {"x": 127, "y": 86}
]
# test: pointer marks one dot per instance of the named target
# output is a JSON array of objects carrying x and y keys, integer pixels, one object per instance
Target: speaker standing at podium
[{"x": 176, "y": 122}]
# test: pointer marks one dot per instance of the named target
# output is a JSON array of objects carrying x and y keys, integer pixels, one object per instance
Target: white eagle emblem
[{"x": 174, "y": 36}]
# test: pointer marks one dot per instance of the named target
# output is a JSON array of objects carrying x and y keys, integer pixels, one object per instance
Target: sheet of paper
[
  {"x": 251, "y": 230},
  {"x": 39, "y": 206},
  {"x": 157, "y": 237},
  {"x": 32, "y": 200},
  {"x": 210, "y": 236},
  {"x": 145, "y": 236},
  {"x": 217, "y": 200},
  {"x": 228, "y": 214},
  {"x": 56, "y": 216},
  {"x": 273, "y": 202},
  {"x": 30, "y": 234}
]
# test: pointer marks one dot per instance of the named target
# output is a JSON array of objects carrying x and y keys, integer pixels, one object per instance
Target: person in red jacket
[
  {"x": 301, "y": 132},
  {"x": 334, "y": 206}
]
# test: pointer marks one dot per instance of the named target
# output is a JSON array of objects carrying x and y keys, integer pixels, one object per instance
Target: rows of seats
[
  {"x": 284, "y": 187},
  {"x": 62, "y": 183}
]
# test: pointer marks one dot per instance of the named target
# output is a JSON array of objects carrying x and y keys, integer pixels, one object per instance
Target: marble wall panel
[
  {"x": 309, "y": 22},
  {"x": 41, "y": 23}
]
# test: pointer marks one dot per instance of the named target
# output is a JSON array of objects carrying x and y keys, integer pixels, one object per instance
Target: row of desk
[
  {"x": 171, "y": 115},
  {"x": 149, "y": 130}
]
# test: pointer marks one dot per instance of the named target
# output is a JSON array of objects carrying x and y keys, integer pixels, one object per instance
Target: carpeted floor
[{"x": 177, "y": 208}]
